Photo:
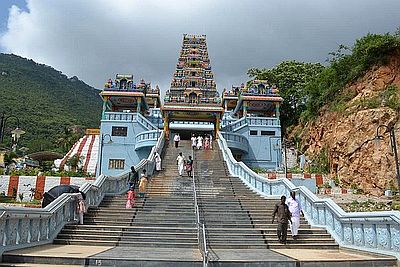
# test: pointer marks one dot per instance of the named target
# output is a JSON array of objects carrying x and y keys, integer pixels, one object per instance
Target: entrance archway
[{"x": 193, "y": 98}]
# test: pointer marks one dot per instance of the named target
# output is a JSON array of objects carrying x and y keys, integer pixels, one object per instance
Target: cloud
[{"x": 96, "y": 39}]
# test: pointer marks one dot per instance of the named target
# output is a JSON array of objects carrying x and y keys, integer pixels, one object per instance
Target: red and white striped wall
[
  {"x": 87, "y": 147},
  {"x": 40, "y": 184}
]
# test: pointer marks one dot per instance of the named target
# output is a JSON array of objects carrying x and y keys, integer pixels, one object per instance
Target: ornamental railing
[
  {"x": 146, "y": 139},
  {"x": 145, "y": 122},
  {"x": 29, "y": 227},
  {"x": 377, "y": 232},
  {"x": 260, "y": 121},
  {"x": 119, "y": 116},
  {"x": 235, "y": 125}
]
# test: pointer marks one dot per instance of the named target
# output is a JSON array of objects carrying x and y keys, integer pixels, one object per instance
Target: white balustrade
[{"x": 368, "y": 231}]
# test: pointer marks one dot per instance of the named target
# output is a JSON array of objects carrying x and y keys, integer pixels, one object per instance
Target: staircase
[
  {"x": 164, "y": 218},
  {"x": 161, "y": 229},
  {"x": 238, "y": 218}
]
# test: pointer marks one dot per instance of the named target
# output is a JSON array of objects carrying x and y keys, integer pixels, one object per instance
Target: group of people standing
[
  {"x": 184, "y": 164},
  {"x": 199, "y": 142},
  {"x": 133, "y": 181},
  {"x": 288, "y": 213}
]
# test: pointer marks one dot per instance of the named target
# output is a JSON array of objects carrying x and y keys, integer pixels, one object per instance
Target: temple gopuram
[
  {"x": 193, "y": 95},
  {"x": 133, "y": 117}
]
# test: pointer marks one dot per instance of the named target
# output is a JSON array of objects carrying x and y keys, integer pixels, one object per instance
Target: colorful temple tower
[
  {"x": 193, "y": 95},
  {"x": 126, "y": 134}
]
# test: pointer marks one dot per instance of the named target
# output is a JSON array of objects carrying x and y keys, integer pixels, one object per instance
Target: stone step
[
  {"x": 124, "y": 243},
  {"x": 134, "y": 232},
  {"x": 116, "y": 237},
  {"x": 144, "y": 228},
  {"x": 142, "y": 223},
  {"x": 273, "y": 246}
]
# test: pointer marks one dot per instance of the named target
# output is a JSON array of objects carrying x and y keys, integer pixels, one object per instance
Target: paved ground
[
  {"x": 327, "y": 255},
  {"x": 192, "y": 255},
  {"x": 146, "y": 253}
]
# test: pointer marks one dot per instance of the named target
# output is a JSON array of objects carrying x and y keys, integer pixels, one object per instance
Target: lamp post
[
  {"x": 103, "y": 136},
  {"x": 285, "y": 145},
  {"x": 17, "y": 132},
  {"x": 378, "y": 137}
]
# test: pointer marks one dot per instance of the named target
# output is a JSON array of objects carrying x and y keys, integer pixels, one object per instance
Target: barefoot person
[
  {"x": 194, "y": 141},
  {"x": 189, "y": 166},
  {"x": 157, "y": 159},
  {"x": 143, "y": 184},
  {"x": 130, "y": 199},
  {"x": 283, "y": 217},
  {"x": 177, "y": 138},
  {"x": 295, "y": 210},
  {"x": 180, "y": 161}
]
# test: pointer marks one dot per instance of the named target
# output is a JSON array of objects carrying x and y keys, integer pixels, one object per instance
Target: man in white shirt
[
  {"x": 177, "y": 138},
  {"x": 180, "y": 161},
  {"x": 295, "y": 209},
  {"x": 194, "y": 141}
]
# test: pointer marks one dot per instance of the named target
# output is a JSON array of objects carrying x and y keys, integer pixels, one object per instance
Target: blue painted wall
[
  {"x": 122, "y": 147},
  {"x": 265, "y": 151}
]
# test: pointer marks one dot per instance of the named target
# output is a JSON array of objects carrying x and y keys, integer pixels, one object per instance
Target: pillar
[
  {"x": 245, "y": 105},
  {"x": 226, "y": 105},
  {"x": 277, "y": 112},
  {"x": 166, "y": 127},
  {"x": 139, "y": 104},
  {"x": 217, "y": 125},
  {"x": 103, "y": 114}
]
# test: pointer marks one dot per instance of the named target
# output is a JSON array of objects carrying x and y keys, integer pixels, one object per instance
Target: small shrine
[
  {"x": 258, "y": 99},
  {"x": 124, "y": 95}
]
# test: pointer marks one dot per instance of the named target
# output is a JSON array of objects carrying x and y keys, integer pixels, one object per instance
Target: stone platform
[{"x": 74, "y": 255}]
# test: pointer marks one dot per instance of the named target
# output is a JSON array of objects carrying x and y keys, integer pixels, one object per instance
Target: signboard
[{"x": 92, "y": 131}]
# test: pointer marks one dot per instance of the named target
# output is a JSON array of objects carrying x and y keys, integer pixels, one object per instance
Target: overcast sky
[{"x": 94, "y": 39}]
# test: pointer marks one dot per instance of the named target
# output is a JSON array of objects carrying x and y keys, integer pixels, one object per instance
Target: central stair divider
[{"x": 201, "y": 229}]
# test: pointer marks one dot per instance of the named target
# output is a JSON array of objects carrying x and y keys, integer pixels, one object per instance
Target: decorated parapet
[
  {"x": 261, "y": 87},
  {"x": 255, "y": 87}
]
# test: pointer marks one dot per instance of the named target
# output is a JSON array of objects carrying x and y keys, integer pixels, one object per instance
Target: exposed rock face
[{"x": 349, "y": 135}]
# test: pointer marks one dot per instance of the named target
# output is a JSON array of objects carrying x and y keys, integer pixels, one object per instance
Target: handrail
[
  {"x": 205, "y": 257},
  {"x": 377, "y": 232},
  {"x": 201, "y": 237},
  {"x": 145, "y": 122},
  {"x": 234, "y": 125}
]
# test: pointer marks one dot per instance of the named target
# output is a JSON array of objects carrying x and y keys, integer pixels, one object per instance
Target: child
[
  {"x": 130, "y": 202},
  {"x": 143, "y": 184}
]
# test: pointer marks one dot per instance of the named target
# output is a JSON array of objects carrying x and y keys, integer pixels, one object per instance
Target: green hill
[{"x": 45, "y": 101}]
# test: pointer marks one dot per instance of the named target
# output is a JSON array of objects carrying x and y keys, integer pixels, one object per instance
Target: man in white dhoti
[
  {"x": 211, "y": 139},
  {"x": 199, "y": 142},
  {"x": 157, "y": 159},
  {"x": 180, "y": 161},
  {"x": 295, "y": 209}
]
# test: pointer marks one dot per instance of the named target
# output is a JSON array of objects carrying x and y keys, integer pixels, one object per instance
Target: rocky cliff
[{"x": 346, "y": 130}]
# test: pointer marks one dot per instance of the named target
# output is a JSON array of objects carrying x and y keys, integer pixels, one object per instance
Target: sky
[{"x": 95, "y": 39}]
